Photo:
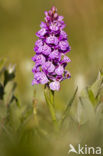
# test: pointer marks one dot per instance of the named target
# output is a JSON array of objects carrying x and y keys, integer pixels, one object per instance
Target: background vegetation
[{"x": 19, "y": 21}]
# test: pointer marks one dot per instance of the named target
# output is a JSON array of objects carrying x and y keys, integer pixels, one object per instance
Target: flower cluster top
[{"x": 51, "y": 47}]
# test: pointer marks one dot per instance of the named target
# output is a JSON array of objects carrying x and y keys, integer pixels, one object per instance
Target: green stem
[{"x": 49, "y": 96}]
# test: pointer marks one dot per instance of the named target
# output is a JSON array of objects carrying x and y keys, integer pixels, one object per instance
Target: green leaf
[
  {"x": 99, "y": 109},
  {"x": 3, "y": 110},
  {"x": 92, "y": 97},
  {"x": 85, "y": 111},
  {"x": 99, "y": 114},
  {"x": 9, "y": 75},
  {"x": 67, "y": 109},
  {"x": 97, "y": 85},
  {"x": 50, "y": 101},
  {"x": 9, "y": 92},
  {"x": 71, "y": 101},
  {"x": 1, "y": 91},
  {"x": 14, "y": 98},
  {"x": 49, "y": 96}
]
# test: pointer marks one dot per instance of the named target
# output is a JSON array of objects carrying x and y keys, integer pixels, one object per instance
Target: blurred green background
[{"x": 20, "y": 20}]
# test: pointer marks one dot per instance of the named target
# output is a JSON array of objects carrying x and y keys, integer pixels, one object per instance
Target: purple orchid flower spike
[
  {"x": 50, "y": 47},
  {"x": 50, "y": 58}
]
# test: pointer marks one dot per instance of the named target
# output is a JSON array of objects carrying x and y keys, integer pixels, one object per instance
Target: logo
[{"x": 84, "y": 150}]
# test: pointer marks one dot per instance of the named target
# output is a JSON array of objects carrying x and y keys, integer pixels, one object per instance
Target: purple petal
[
  {"x": 41, "y": 78},
  {"x": 55, "y": 54},
  {"x": 63, "y": 35},
  {"x": 66, "y": 59},
  {"x": 39, "y": 43},
  {"x": 45, "y": 49},
  {"x": 54, "y": 85},
  {"x": 41, "y": 32},
  {"x": 63, "y": 45},
  {"x": 60, "y": 18},
  {"x": 48, "y": 67},
  {"x": 52, "y": 40},
  {"x": 39, "y": 59},
  {"x": 35, "y": 69},
  {"x": 43, "y": 25},
  {"x": 59, "y": 70},
  {"x": 54, "y": 27},
  {"x": 67, "y": 75},
  {"x": 34, "y": 82}
]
